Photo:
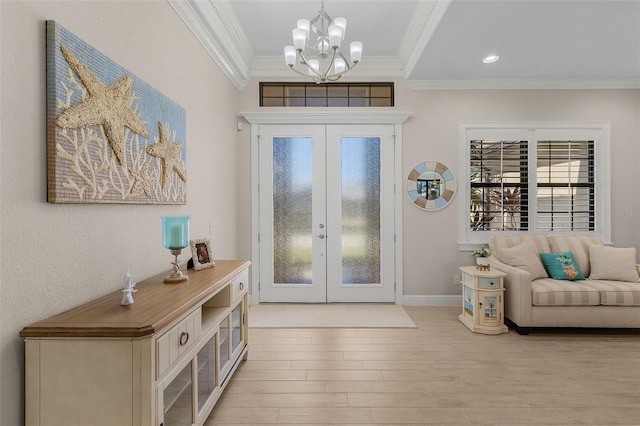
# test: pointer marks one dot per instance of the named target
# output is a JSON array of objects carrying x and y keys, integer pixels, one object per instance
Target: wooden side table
[{"x": 482, "y": 300}]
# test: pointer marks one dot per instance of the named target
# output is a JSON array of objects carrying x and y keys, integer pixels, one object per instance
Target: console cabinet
[{"x": 161, "y": 361}]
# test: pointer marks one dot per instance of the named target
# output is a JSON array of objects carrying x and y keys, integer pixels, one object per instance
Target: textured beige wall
[
  {"x": 55, "y": 257},
  {"x": 431, "y": 255}
]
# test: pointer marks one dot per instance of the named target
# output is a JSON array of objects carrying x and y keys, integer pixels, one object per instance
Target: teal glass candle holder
[
  {"x": 175, "y": 232},
  {"x": 175, "y": 237}
]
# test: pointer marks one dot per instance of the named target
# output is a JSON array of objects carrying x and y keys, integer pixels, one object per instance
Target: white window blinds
[
  {"x": 565, "y": 186},
  {"x": 499, "y": 185},
  {"x": 534, "y": 177}
]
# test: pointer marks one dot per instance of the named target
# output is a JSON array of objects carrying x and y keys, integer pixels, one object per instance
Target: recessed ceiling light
[{"x": 490, "y": 59}]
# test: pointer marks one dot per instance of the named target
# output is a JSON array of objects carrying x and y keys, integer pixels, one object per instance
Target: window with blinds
[
  {"x": 565, "y": 185},
  {"x": 534, "y": 177},
  {"x": 563, "y": 176},
  {"x": 499, "y": 185}
]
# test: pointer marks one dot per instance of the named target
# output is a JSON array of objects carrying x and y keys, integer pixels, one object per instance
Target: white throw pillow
[
  {"x": 524, "y": 256},
  {"x": 613, "y": 263}
]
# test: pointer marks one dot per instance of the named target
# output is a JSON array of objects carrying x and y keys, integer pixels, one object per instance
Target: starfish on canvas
[
  {"x": 169, "y": 152},
  {"x": 108, "y": 106},
  {"x": 143, "y": 181}
]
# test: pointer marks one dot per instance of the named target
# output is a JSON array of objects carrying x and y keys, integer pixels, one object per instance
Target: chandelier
[{"x": 316, "y": 46}]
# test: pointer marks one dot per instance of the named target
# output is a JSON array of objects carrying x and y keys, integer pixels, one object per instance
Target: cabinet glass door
[
  {"x": 177, "y": 401},
  {"x": 224, "y": 344},
  {"x": 207, "y": 372},
  {"x": 236, "y": 327}
]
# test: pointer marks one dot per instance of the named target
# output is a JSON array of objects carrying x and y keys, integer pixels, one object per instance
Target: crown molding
[
  {"x": 216, "y": 27},
  {"x": 523, "y": 84},
  {"x": 426, "y": 19}
]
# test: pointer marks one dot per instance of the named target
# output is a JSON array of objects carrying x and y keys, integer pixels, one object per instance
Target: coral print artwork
[{"x": 111, "y": 138}]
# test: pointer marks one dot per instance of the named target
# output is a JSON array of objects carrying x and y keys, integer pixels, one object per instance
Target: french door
[{"x": 326, "y": 207}]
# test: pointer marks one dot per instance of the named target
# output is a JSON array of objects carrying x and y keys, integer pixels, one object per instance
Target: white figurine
[{"x": 129, "y": 288}]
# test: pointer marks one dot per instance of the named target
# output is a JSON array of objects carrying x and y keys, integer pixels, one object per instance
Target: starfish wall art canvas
[{"x": 111, "y": 137}]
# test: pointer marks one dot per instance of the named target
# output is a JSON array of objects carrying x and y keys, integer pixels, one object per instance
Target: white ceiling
[{"x": 435, "y": 44}]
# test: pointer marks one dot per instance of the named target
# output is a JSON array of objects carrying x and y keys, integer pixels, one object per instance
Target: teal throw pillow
[{"x": 562, "y": 266}]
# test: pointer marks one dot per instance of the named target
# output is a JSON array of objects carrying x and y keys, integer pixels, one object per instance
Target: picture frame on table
[{"x": 202, "y": 254}]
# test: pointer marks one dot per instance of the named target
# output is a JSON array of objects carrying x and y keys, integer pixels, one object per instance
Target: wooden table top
[{"x": 156, "y": 306}]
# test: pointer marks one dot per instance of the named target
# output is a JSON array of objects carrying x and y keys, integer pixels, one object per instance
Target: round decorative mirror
[{"x": 431, "y": 185}]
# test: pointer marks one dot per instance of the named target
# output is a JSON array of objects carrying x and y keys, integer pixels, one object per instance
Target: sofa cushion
[
  {"x": 498, "y": 242},
  {"x": 613, "y": 263},
  {"x": 550, "y": 292},
  {"x": 562, "y": 266},
  {"x": 616, "y": 293},
  {"x": 523, "y": 256},
  {"x": 576, "y": 244}
]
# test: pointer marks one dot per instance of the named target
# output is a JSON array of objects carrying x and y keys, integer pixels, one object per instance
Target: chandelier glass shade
[{"x": 316, "y": 48}]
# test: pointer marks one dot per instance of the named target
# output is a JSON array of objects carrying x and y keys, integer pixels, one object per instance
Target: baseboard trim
[{"x": 434, "y": 300}]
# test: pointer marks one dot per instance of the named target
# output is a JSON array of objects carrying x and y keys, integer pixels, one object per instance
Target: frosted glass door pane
[
  {"x": 292, "y": 214},
  {"x": 360, "y": 210}
]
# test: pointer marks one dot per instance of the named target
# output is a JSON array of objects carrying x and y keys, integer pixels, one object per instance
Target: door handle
[{"x": 321, "y": 236}]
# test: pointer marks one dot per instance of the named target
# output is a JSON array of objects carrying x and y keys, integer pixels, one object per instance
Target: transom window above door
[{"x": 326, "y": 95}]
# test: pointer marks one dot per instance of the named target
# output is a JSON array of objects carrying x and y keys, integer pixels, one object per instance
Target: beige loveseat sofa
[{"x": 608, "y": 298}]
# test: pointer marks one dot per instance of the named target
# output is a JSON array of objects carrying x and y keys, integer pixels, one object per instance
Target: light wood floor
[{"x": 438, "y": 373}]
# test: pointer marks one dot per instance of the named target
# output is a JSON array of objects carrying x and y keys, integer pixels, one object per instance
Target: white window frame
[{"x": 532, "y": 131}]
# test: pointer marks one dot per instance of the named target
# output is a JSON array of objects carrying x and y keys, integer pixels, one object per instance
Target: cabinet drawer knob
[
  {"x": 184, "y": 338},
  {"x": 241, "y": 286}
]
